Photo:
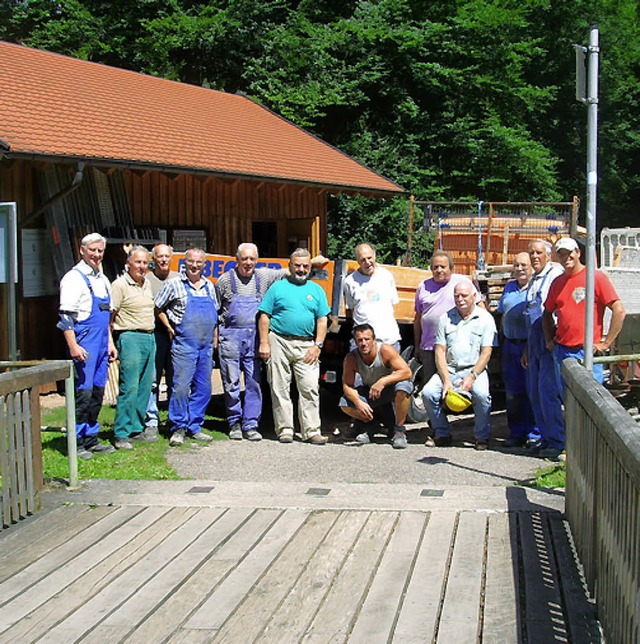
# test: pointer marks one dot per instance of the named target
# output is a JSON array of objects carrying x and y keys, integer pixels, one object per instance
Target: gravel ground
[{"x": 345, "y": 461}]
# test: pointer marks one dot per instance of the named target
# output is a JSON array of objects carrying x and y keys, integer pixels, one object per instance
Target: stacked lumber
[{"x": 492, "y": 281}]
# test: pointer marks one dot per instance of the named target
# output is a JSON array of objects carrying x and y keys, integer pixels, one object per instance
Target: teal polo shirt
[{"x": 294, "y": 308}]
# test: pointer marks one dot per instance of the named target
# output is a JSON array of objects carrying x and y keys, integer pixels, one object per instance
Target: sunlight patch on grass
[
  {"x": 552, "y": 477},
  {"x": 145, "y": 462}
]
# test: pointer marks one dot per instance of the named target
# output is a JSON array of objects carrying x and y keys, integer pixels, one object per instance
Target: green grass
[
  {"x": 145, "y": 462},
  {"x": 552, "y": 477}
]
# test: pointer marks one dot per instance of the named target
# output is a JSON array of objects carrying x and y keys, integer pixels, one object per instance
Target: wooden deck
[{"x": 196, "y": 573}]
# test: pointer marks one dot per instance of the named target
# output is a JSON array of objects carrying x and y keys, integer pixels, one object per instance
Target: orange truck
[{"x": 330, "y": 278}]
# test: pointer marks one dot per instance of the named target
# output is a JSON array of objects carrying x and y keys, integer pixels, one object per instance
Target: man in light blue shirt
[
  {"x": 292, "y": 327},
  {"x": 464, "y": 340}
]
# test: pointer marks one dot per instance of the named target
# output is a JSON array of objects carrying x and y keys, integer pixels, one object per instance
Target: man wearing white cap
[{"x": 567, "y": 296}]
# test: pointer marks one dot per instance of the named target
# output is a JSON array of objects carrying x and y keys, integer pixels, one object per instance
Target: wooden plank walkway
[{"x": 163, "y": 573}]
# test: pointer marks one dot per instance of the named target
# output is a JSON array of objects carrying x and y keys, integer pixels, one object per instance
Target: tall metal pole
[
  {"x": 592, "y": 185},
  {"x": 72, "y": 447}
]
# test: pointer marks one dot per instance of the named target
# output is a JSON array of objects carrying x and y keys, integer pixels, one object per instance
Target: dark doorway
[{"x": 265, "y": 237}]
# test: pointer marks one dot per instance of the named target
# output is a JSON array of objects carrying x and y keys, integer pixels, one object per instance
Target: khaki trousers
[{"x": 287, "y": 357}]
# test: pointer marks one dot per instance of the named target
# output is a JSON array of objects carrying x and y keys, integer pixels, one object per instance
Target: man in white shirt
[
  {"x": 370, "y": 294},
  {"x": 85, "y": 297}
]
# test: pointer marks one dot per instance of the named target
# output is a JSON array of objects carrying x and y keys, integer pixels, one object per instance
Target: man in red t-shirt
[{"x": 566, "y": 299}]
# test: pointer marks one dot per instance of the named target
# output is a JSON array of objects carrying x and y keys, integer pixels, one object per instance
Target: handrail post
[{"x": 72, "y": 449}]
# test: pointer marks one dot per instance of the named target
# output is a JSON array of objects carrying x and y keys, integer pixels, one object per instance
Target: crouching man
[
  {"x": 384, "y": 396},
  {"x": 464, "y": 340}
]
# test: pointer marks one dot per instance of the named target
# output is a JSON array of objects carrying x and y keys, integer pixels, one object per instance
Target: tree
[{"x": 451, "y": 99}]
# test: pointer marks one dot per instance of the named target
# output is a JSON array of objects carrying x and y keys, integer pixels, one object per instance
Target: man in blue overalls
[
  {"x": 188, "y": 308},
  {"x": 542, "y": 381},
  {"x": 514, "y": 338},
  {"x": 85, "y": 296},
  {"x": 240, "y": 292}
]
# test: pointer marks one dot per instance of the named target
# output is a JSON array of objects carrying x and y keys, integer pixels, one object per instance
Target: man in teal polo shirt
[{"x": 292, "y": 327}]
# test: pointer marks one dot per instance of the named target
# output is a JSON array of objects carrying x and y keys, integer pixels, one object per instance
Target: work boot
[{"x": 177, "y": 438}]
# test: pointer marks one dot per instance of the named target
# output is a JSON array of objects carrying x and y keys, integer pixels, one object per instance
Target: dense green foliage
[{"x": 450, "y": 99}]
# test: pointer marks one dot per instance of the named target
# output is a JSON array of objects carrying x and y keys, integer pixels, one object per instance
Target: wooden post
[
  {"x": 505, "y": 244},
  {"x": 36, "y": 441},
  {"x": 407, "y": 259}
]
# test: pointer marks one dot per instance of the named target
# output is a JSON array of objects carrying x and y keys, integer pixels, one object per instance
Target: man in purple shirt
[{"x": 434, "y": 297}]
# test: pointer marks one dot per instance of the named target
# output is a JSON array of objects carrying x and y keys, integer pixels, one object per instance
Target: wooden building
[{"x": 85, "y": 147}]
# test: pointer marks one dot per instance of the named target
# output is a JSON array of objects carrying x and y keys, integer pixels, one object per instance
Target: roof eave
[{"x": 142, "y": 166}]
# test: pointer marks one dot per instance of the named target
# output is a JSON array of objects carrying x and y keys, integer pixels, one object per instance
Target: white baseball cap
[{"x": 566, "y": 243}]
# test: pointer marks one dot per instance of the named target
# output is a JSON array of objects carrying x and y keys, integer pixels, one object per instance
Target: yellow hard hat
[{"x": 457, "y": 401}]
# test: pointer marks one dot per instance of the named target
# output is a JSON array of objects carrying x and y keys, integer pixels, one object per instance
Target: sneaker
[
  {"x": 481, "y": 445},
  {"x": 123, "y": 443},
  {"x": 202, "y": 437},
  {"x": 285, "y": 438},
  {"x": 399, "y": 440},
  {"x": 363, "y": 439},
  {"x": 551, "y": 453},
  {"x": 430, "y": 442},
  {"x": 235, "y": 433},
  {"x": 84, "y": 453},
  {"x": 442, "y": 441},
  {"x": 150, "y": 433},
  {"x": 253, "y": 435},
  {"x": 317, "y": 439},
  {"x": 144, "y": 437},
  {"x": 533, "y": 447},
  {"x": 101, "y": 448},
  {"x": 512, "y": 442},
  {"x": 177, "y": 438}
]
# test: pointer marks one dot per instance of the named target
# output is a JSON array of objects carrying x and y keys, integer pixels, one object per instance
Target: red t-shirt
[{"x": 567, "y": 298}]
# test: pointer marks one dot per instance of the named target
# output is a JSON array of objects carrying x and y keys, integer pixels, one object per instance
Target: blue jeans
[
  {"x": 432, "y": 398},
  {"x": 162, "y": 363},
  {"x": 563, "y": 352},
  {"x": 237, "y": 354}
]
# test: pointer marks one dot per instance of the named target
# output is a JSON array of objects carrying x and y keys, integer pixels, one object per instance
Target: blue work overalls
[
  {"x": 237, "y": 353},
  {"x": 542, "y": 378},
  {"x": 91, "y": 374},
  {"x": 192, "y": 357}
]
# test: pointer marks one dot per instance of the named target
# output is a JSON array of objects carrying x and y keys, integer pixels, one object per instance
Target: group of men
[
  {"x": 161, "y": 322},
  {"x": 543, "y": 323}
]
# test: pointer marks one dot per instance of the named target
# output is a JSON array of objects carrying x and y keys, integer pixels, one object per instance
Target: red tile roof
[{"x": 56, "y": 106}]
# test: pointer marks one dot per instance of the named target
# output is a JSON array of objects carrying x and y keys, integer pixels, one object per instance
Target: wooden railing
[
  {"x": 20, "y": 446},
  {"x": 603, "y": 500}
]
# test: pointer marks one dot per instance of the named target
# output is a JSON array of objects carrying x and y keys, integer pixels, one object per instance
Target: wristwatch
[{"x": 319, "y": 344}]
